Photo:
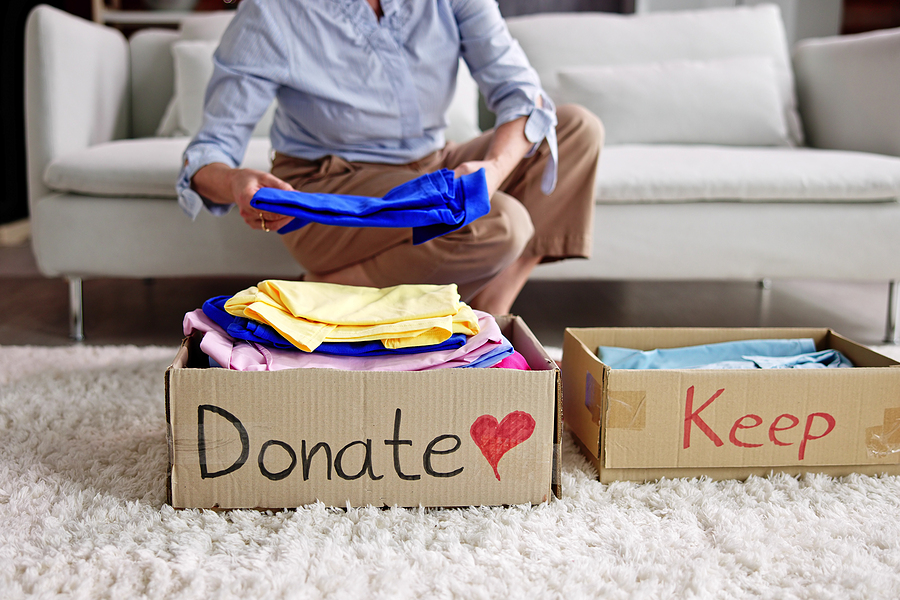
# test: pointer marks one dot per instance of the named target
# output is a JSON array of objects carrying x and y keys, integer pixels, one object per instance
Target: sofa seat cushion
[
  {"x": 146, "y": 167},
  {"x": 686, "y": 173}
]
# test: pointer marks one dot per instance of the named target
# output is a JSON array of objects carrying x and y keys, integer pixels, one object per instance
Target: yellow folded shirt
[{"x": 308, "y": 313}]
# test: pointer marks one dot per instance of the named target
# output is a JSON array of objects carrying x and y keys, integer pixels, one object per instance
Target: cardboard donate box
[
  {"x": 282, "y": 439},
  {"x": 641, "y": 425}
]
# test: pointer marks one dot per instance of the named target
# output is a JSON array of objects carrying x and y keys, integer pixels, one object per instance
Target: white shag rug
[{"x": 83, "y": 515}]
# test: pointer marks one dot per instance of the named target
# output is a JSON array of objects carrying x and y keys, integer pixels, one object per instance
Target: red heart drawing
[{"x": 496, "y": 439}]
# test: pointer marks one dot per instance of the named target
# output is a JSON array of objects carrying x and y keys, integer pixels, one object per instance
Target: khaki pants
[{"x": 522, "y": 220}]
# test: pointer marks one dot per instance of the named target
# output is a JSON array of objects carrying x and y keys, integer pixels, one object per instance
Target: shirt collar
[
  {"x": 362, "y": 12},
  {"x": 389, "y": 7}
]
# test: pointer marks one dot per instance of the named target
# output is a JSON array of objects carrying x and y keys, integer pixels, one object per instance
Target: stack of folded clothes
[{"x": 297, "y": 324}]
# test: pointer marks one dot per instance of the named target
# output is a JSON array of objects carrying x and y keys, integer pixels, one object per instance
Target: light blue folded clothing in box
[{"x": 743, "y": 354}]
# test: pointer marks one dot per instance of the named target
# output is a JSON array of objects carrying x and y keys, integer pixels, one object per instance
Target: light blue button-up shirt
[{"x": 362, "y": 89}]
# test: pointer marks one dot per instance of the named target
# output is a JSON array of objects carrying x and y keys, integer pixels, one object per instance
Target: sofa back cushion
[
  {"x": 848, "y": 87},
  {"x": 152, "y": 78},
  {"x": 732, "y": 101},
  {"x": 205, "y": 26},
  {"x": 557, "y": 42},
  {"x": 156, "y": 109}
]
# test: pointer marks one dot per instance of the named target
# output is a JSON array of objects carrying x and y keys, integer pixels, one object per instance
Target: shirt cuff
[
  {"x": 540, "y": 126},
  {"x": 190, "y": 201}
]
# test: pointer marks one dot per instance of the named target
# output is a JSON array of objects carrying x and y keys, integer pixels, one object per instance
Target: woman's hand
[
  {"x": 224, "y": 185},
  {"x": 245, "y": 183}
]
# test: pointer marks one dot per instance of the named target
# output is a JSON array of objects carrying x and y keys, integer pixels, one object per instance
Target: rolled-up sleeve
[
  {"x": 249, "y": 65},
  {"x": 511, "y": 87}
]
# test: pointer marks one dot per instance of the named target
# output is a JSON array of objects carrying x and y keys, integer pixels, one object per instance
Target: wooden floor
[{"x": 121, "y": 311}]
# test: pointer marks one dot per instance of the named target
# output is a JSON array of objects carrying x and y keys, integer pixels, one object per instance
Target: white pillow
[
  {"x": 170, "y": 125},
  {"x": 732, "y": 101},
  {"x": 205, "y": 25},
  {"x": 193, "y": 70},
  {"x": 554, "y": 41},
  {"x": 462, "y": 115},
  {"x": 196, "y": 26}
]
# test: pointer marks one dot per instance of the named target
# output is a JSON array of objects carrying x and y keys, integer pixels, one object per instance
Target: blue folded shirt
[
  {"x": 742, "y": 354},
  {"x": 432, "y": 204},
  {"x": 810, "y": 360},
  {"x": 489, "y": 359},
  {"x": 241, "y": 328}
]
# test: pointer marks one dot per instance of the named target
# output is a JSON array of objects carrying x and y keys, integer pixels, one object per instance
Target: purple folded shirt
[{"x": 240, "y": 355}]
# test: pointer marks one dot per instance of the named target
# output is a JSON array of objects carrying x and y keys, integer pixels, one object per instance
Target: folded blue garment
[
  {"x": 742, "y": 354},
  {"x": 489, "y": 359},
  {"x": 241, "y": 328},
  {"x": 432, "y": 204}
]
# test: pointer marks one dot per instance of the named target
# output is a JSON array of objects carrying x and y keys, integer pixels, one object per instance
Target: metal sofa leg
[
  {"x": 76, "y": 309},
  {"x": 891, "y": 335}
]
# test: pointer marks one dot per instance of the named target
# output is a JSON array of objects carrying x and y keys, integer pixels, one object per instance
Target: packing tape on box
[
  {"x": 627, "y": 410},
  {"x": 593, "y": 397},
  {"x": 885, "y": 440}
]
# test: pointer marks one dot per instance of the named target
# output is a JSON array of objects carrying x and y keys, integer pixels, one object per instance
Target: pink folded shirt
[
  {"x": 239, "y": 355},
  {"x": 513, "y": 361}
]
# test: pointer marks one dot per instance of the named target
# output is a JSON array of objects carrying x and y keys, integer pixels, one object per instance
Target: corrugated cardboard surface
[
  {"x": 646, "y": 424},
  {"x": 288, "y": 438}
]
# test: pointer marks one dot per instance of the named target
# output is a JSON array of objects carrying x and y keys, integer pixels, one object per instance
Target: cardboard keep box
[
  {"x": 283, "y": 439},
  {"x": 641, "y": 425}
]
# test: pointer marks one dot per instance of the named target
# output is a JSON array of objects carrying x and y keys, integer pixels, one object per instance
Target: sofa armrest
[
  {"x": 76, "y": 88},
  {"x": 848, "y": 89}
]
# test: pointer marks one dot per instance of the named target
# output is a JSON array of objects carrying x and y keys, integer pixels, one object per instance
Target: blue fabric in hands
[
  {"x": 742, "y": 354},
  {"x": 432, "y": 204},
  {"x": 241, "y": 328}
]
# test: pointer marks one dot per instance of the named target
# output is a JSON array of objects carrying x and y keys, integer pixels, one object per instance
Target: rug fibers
[{"x": 83, "y": 515}]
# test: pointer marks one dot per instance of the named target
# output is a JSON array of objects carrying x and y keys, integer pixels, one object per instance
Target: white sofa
[{"x": 714, "y": 167}]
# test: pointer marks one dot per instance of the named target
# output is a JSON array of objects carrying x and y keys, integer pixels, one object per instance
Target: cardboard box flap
[
  {"x": 585, "y": 384},
  {"x": 527, "y": 344},
  {"x": 859, "y": 355}
]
